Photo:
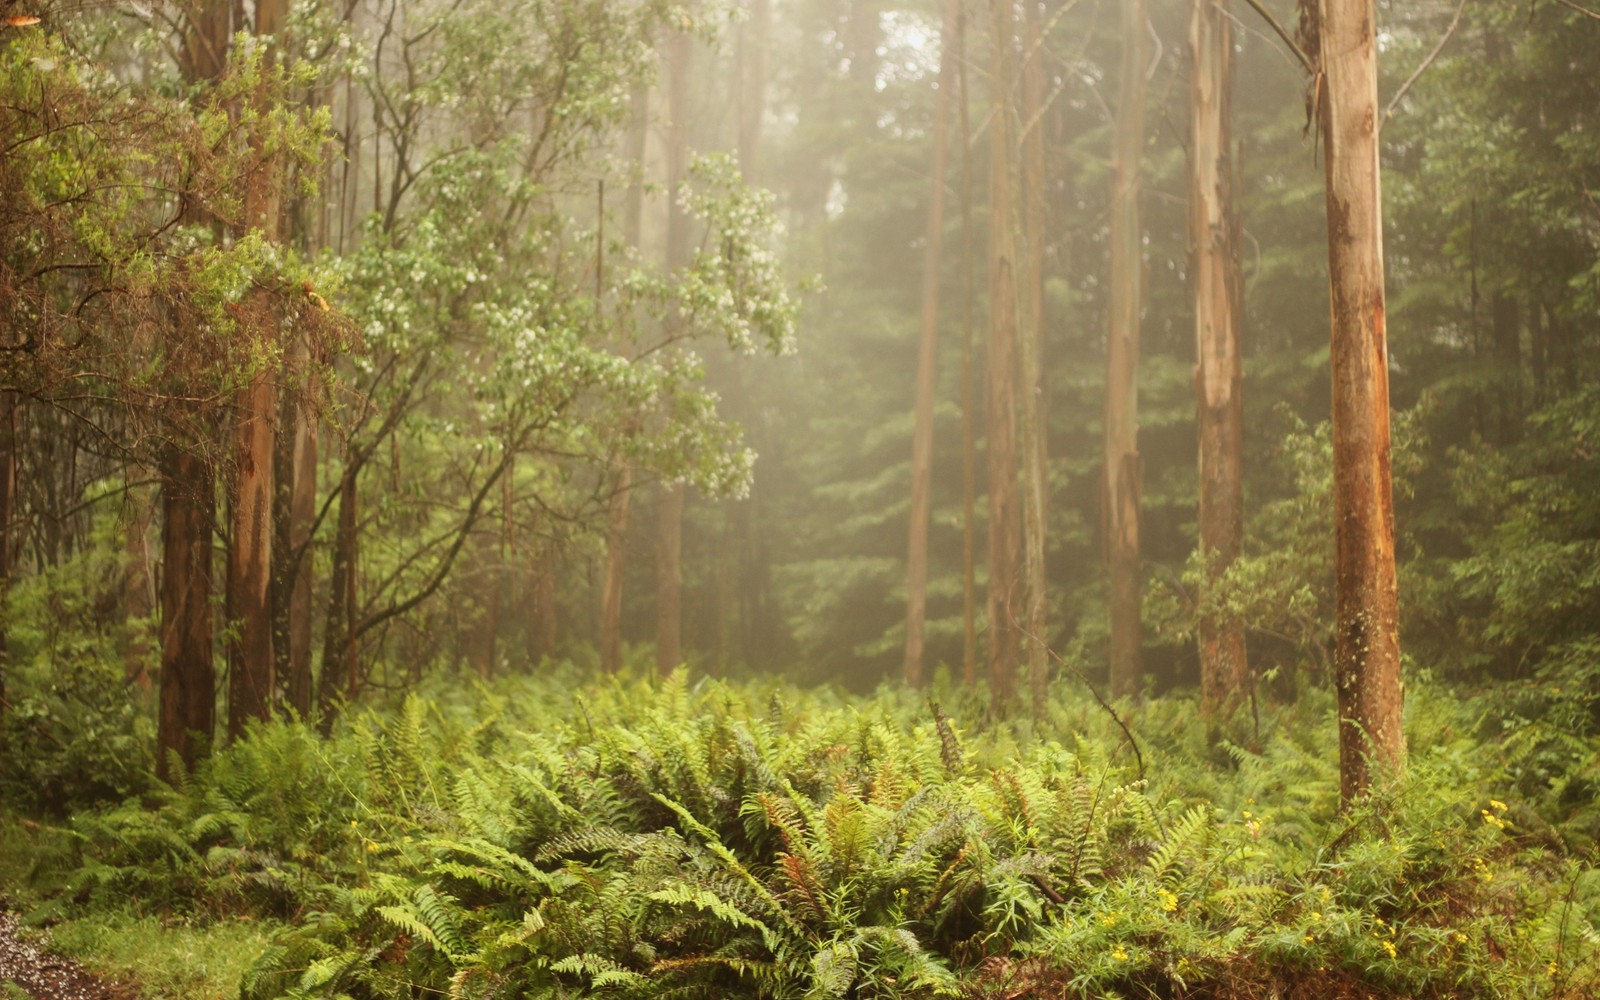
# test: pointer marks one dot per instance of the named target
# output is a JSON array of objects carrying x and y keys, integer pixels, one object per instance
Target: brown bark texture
[
  {"x": 251, "y": 665},
  {"x": 338, "y": 638},
  {"x": 927, "y": 370},
  {"x": 1219, "y": 399},
  {"x": 1367, "y": 643},
  {"x": 302, "y": 512},
  {"x": 1005, "y": 529},
  {"x": 186, "y": 707},
  {"x": 1034, "y": 451},
  {"x": 187, "y": 710},
  {"x": 1123, "y": 466}
]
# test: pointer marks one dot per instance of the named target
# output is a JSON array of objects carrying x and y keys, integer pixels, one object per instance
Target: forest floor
[{"x": 44, "y": 975}]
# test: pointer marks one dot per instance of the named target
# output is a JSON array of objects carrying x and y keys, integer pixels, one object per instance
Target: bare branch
[
  {"x": 1305, "y": 60},
  {"x": 1401, "y": 93}
]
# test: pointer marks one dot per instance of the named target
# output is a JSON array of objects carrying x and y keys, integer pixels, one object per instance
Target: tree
[
  {"x": 669, "y": 539},
  {"x": 1213, "y": 236},
  {"x": 1035, "y": 478},
  {"x": 1005, "y": 532},
  {"x": 1123, "y": 469},
  {"x": 251, "y": 664},
  {"x": 1343, "y": 35},
  {"x": 927, "y": 360}
]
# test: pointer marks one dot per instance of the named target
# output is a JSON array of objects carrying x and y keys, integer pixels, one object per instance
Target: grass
[
  {"x": 169, "y": 960},
  {"x": 191, "y": 962}
]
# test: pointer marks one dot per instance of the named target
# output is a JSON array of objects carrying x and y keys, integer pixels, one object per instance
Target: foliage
[{"x": 658, "y": 838}]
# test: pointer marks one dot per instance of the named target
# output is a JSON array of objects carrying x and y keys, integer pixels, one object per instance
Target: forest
[{"x": 800, "y": 499}]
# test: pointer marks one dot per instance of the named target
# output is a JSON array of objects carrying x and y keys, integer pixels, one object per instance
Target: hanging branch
[
  {"x": 1282, "y": 33},
  {"x": 1586, "y": 12},
  {"x": 1401, "y": 93}
]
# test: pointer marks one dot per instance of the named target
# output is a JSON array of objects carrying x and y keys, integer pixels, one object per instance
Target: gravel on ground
[{"x": 45, "y": 976}]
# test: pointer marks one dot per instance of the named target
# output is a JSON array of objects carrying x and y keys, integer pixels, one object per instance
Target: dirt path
[{"x": 50, "y": 977}]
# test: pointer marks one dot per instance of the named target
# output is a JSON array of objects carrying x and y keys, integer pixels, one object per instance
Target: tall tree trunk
[
  {"x": 137, "y": 600},
  {"x": 616, "y": 565},
  {"x": 1005, "y": 530},
  {"x": 669, "y": 548},
  {"x": 8, "y": 506},
  {"x": 302, "y": 512},
  {"x": 338, "y": 634},
  {"x": 543, "y": 619},
  {"x": 754, "y": 34},
  {"x": 1213, "y": 232},
  {"x": 969, "y": 463},
  {"x": 1367, "y": 647},
  {"x": 187, "y": 710},
  {"x": 927, "y": 356},
  {"x": 1035, "y": 482},
  {"x": 1123, "y": 466},
  {"x": 251, "y": 663},
  {"x": 669, "y": 579}
]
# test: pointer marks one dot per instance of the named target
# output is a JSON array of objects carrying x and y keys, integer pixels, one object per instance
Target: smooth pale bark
[
  {"x": 616, "y": 565},
  {"x": 927, "y": 371},
  {"x": 251, "y": 665},
  {"x": 1034, "y": 477},
  {"x": 1367, "y": 647},
  {"x": 186, "y": 714},
  {"x": 1005, "y": 529},
  {"x": 969, "y": 450},
  {"x": 1123, "y": 466},
  {"x": 669, "y": 538},
  {"x": 1218, "y": 376}
]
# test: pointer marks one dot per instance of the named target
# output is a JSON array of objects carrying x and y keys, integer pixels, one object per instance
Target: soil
[{"x": 45, "y": 976}]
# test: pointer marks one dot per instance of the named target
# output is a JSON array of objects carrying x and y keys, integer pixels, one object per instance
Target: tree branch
[
  {"x": 1305, "y": 60},
  {"x": 1404, "y": 87}
]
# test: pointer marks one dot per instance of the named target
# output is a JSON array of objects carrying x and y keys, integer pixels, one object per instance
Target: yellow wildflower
[
  {"x": 1119, "y": 953},
  {"x": 1169, "y": 901}
]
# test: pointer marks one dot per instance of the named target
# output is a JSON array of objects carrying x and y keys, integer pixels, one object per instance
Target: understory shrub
[{"x": 663, "y": 838}]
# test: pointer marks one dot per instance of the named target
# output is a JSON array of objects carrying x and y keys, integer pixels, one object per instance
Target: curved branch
[
  {"x": 1394, "y": 102},
  {"x": 1305, "y": 60}
]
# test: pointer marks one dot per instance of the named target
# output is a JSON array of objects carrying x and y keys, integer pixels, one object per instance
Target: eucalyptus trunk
[
  {"x": 669, "y": 547},
  {"x": 1034, "y": 451},
  {"x": 1367, "y": 638},
  {"x": 1213, "y": 232},
  {"x": 1123, "y": 466},
  {"x": 1004, "y": 527},
  {"x": 186, "y": 715},
  {"x": 251, "y": 665},
  {"x": 927, "y": 370}
]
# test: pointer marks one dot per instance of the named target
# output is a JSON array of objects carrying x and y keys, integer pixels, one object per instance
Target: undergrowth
[{"x": 678, "y": 838}]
